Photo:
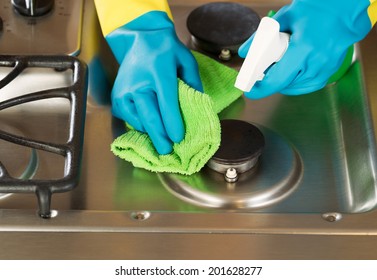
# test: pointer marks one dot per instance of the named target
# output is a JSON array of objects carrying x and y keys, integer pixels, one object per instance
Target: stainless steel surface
[
  {"x": 56, "y": 32},
  {"x": 331, "y": 131}
]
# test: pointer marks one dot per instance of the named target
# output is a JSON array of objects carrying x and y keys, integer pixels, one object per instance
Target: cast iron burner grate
[{"x": 70, "y": 150}]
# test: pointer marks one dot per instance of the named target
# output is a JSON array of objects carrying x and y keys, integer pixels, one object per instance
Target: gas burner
[
  {"x": 241, "y": 145},
  {"x": 274, "y": 178},
  {"x": 222, "y": 27}
]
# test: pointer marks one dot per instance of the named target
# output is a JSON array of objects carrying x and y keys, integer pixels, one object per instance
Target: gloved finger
[
  {"x": 316, "y": 72},
  {"x": 314, "y": 78},
  {"x": 242, "y": 51},
  {"x": 282, "y": 17},
  {"x": 188, "y": 70},
  {"x": 304, "y": 88},
  {"x": 167, "y": 96},
  {"x": 306, "y": 83},
  {"x": 123, "y": 107},
  {"x": 147, "y": 107},
  {"x": 279, "y": 76}
]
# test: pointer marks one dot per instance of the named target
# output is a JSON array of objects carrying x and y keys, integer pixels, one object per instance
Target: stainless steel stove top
[
  {"x": 55, "y": 30},
  {"x": 321, "y": 145}
]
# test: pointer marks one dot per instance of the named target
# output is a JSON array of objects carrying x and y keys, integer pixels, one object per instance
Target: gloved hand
[
  {"x": 321, "y": 33},
  {"x": 145, "y": 92}
]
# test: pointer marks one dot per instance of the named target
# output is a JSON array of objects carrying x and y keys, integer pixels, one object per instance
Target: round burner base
[
  {"x": 221, "y": 26},
  {"x": 241, "y": 145},
  {"x": 277, "y": 175}
]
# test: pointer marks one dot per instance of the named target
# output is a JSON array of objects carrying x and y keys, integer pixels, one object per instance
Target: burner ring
[
  {"x": 279, "y": 173},
  {"x": 221, "y": 26},
  {"x": 241, "y": 145}
]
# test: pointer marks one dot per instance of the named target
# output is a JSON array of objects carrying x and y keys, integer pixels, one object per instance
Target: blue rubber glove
[
  {"x": 321, "y": 33},
  {"x": 145, "y": 92}
]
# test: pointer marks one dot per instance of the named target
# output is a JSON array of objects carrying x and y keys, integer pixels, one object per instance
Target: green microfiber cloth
[{"x": 202, "y": 125}]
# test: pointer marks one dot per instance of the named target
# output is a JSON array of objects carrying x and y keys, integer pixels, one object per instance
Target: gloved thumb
[
  {"x": 242, "y": 51},
  {"x": 279, "y": 17}
]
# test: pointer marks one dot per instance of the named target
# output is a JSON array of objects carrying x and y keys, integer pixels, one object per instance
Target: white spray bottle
[{"x": 268, "y": 47}]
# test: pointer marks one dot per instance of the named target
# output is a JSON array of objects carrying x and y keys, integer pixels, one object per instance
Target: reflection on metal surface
[
  {"x": 277, "y": 175},
  {"x": 53, "y": 213}
]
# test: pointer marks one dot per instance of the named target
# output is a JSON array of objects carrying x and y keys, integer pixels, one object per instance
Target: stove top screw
[
  {"x": 225, "y": 55},
  {"x": 332, "y": 217},
  {"x": 140, "y": 215},
  {"x": 231, "y": 175}
]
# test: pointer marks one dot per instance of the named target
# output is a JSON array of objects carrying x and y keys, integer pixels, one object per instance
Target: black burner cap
[
  {"x": 240, "y": 142},
  {"x": 221, "y": 25}
]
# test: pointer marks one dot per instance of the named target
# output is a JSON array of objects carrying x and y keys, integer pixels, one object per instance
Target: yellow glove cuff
[
  {"x": 113, "y": 14},
  {"x": 372, "y": 11}
]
